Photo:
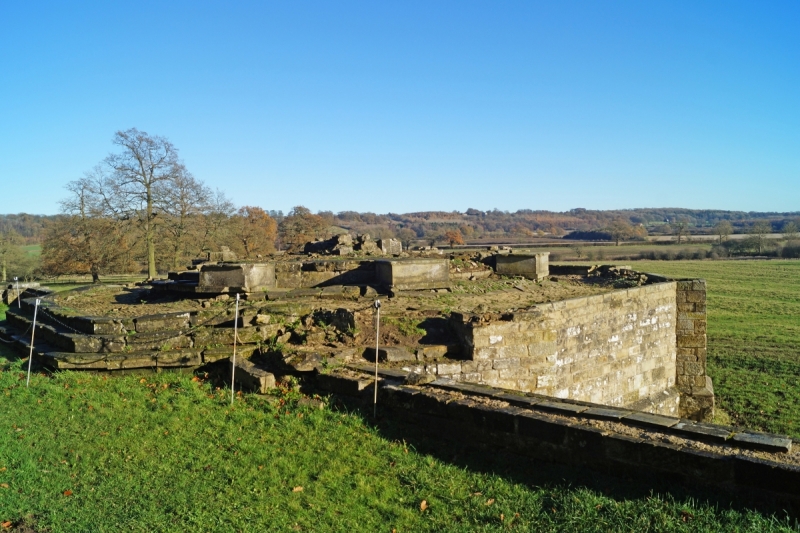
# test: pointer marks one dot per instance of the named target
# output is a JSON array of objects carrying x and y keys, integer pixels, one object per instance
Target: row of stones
[{"x": 155, "y": 340}]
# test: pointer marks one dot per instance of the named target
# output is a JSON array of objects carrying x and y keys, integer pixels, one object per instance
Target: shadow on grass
[{"x": 481, "y": 458}]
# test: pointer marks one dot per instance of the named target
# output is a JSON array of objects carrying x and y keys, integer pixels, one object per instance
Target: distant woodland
[{"x": 141, "y": 210}]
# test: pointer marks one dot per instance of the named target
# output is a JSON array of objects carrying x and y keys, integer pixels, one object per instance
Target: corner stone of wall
[{"x": 691, "y": 380}]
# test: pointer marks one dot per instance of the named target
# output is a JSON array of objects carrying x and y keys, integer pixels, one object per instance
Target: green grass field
[
  {"x": 753, "y": 337},
  {"x": 83, "y": 452}
]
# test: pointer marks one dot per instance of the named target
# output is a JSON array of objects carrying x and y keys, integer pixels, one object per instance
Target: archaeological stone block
[
  {"x": 249, "y": 277},
  {"x": 413, "y": 274},
  {"x": 533, "y": 266}
]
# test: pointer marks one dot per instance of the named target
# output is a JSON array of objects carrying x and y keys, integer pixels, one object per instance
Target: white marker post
[
  {"x": 235, "y": 337},
  {"x": 19, "y": 303},
  {"x": 33, "y": 333},
  {"x": 377, "y": 306}
]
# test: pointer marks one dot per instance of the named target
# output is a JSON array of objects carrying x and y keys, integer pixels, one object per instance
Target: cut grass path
[{"x": 753, "y": 337}]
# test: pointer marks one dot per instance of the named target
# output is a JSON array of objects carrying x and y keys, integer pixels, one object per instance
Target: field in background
[{"x": 753, "y": 337}]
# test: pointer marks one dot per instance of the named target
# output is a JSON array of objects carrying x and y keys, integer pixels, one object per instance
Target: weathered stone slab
[
  {"x": 389, "y": 354},
  {"x": 763, "y": 441},
  {"x": 167, "y": 321},
  {"x": 561, "y": 408},
  {"x": 605, "y": 413},
  {"x": 650, "y": 420},
  {"x": 412, "y": 274},
  {"x": 702, "y": 431},
  {"x": 532, "y": 266},
  {"x": 249, "y": 376},
  {"x": 339, "y": 384},
  {"x": 517, "y": 400},
  {"x": 224, "y": 277}
]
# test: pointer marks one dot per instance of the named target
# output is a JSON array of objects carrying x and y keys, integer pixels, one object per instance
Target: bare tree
[
  {"x": 723, "y": 229},
  {"x": 680, "y": 228},
  {"x": 790, "y": 231},
  {"x": 216, "y": 227},
  {"x": 135, "y": 187},
  {"x": 759, "y": 231},
  {"x": 184, "y": 204}
]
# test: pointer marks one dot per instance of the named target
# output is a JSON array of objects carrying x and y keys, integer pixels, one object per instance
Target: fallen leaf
[
  {"x": 598, "y": 506},
  {"x": 477, "y": 494},
  {"x": 686, "y": 516},
  {"x": 297, "y": 489},
  {"x": 4, "y": 485},
  {"x": 142, "y": 380},
  {"x": 67, "y": 492},
  {"x": 502, "y": 517},
  {"x": 490, "y": 501},
  {"x": 195, "y": 379},
  {"x": 7, "y": 524},
  {"x": 423, "y": 505},
  {"x": 3, "y": 469},
  {"x": 260, "y": 467}
]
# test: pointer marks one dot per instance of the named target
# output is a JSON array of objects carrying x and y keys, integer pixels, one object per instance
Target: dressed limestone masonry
[{"x": 605, "y": 334}]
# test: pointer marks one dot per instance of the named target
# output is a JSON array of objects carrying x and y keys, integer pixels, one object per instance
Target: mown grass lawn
[{"x": 753, "y": 337}]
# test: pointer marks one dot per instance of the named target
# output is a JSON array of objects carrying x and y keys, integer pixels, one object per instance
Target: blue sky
[{"x": 410, "y": 106}]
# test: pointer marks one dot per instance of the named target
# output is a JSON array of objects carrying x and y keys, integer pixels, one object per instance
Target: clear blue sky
[{"x": 409, "y": 106}]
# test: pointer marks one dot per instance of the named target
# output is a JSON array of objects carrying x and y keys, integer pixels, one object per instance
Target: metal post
[
  {"x": 235, "y": 337},
  {"x": 377, "y": 306},
  {"x": 19, "y": 302},
  {"x": 33, "y": 333}
]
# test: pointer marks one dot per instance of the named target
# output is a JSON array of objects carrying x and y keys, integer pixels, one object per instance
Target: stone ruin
[
  {"x": 345, "y": 244},
  {"x": 607, "y": 335},
  {"x": 598, "y": 366}
]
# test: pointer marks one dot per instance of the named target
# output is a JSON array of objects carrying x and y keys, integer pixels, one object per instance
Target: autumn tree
[
  {"x": 255, "y": 231},
  {"x": 301, "y": 226},
  {"x": 723, "y": 229},
  {"x": 133, "y": 183},
  {"x": 83, "y": 241},
  {"x": 620, "y": 230},
  {"x": 453, "y": 237}
]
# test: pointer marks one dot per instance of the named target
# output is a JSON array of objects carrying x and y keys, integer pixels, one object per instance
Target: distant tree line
[{"x": 141, "y": 210}]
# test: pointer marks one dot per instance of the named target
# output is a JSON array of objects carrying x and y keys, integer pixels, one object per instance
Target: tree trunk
[{"x": 148, "y": 236}]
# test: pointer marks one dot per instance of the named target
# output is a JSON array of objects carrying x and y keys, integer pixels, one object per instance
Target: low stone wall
[
  {"x": 616, "y": 349},
  {"x": 525, "y": 428}
]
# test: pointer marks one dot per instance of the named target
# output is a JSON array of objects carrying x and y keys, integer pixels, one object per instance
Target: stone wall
[
  {"x": 617, "y": 349},
  {"x": 697, "y": 391}
]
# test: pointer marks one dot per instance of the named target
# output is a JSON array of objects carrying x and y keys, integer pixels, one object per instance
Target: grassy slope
[
  {"x": 753, "y": 337},
  {"x": 169, "y": 454}
]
